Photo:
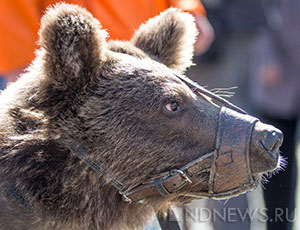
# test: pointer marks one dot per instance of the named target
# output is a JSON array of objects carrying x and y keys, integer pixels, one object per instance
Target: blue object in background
[{"x": 2, "y": 83}]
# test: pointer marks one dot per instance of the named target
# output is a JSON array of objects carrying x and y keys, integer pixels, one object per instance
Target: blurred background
[
  {"x": 257, "y": 49},
  {"x": 251, "y": 44}
]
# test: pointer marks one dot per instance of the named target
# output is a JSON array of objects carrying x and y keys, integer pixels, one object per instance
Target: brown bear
[{"x": 88, "y": 133}]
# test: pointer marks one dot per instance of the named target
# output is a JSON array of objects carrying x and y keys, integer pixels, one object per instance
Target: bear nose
[{"x": 272, "y": 141}]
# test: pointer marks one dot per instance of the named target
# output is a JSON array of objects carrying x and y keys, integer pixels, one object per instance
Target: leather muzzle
[{"x": 230, "y": 172}]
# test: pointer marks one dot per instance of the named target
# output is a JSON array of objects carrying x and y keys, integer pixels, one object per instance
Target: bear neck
[{"x": 61, "y": 187}]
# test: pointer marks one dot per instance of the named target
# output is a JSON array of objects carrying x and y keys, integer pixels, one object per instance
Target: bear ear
[
  {"x": 169, "y": 38},
  {"x": 73, "y": 44}
]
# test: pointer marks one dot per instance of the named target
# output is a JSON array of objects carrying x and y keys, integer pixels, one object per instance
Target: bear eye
[{"x": 173, "y": 107}]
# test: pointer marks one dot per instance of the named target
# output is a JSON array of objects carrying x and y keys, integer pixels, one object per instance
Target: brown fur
[{"x": 109, "y": 97}]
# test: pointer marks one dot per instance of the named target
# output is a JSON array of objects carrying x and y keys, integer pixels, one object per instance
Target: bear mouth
[{"x": 279, "y": 166}]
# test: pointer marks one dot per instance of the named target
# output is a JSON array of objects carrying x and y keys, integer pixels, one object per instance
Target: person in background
[
  {"x": 275, "y": 95},
  {"x": 19, "y": 24}
]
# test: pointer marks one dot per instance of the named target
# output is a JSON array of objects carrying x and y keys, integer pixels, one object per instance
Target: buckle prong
[
  {"x": 182, "y": 174},
  {"x": 126, "y": 198}
]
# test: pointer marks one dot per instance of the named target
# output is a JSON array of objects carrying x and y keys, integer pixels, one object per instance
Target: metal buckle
[{"x": 182, "y": 174}]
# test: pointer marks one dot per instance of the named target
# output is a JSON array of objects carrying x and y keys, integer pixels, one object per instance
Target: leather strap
[
  {"x": 83, "y": 154},
  {"x": 171, "y": 181},
  {"x": 14, "y": 193},
  {"x": 202, "y": 91},
  {"x": 167, "y": 185}
]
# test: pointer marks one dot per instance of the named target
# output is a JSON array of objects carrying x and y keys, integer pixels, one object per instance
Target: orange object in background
[{"x": 19, "y": 23}]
